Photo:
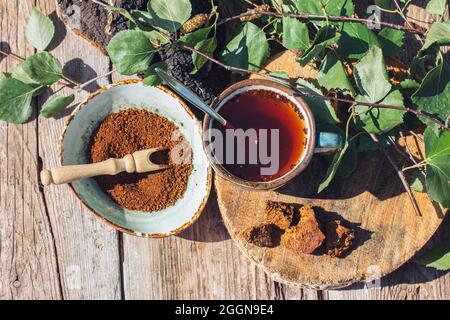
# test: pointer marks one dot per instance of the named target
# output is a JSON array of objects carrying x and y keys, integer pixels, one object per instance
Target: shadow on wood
[
  {"x": 81, "y": 72},
  {"x": 411, "y": 272},
  {"x": 60, "y": 33},
  {"x": 4, "y": 46},
  {"x": 209, "y": 227},
  {"x": 373, "y": 174},
  {"x": 361, "y": 235}
]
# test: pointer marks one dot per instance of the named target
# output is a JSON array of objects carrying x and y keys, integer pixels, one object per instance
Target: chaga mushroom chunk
[
  {"x": 264, "y": 235},
  {"x": 339, "y": 238},
  {"x": 306, "y": 236},
  {"x": 280, "y": 214}
]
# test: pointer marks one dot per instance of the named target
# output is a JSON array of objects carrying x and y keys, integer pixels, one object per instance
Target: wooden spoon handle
[{"x": 66, "y": 174}]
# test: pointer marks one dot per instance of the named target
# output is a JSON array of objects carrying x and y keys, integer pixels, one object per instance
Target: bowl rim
[{"x": 84, "y": 103}]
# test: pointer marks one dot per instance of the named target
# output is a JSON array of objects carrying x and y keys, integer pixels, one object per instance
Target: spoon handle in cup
[{"x": 187, "y": 94}]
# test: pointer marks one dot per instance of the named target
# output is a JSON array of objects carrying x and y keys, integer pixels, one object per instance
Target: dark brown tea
[{"x": 263, "y": 109}]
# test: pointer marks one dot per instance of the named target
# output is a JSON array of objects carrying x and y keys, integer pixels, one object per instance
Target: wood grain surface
[
  {"x": 53, "y": 248},
  {"x": 371, "y": 201}
]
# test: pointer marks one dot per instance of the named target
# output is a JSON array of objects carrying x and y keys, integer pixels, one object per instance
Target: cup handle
[{"x": 329, "y": 142}]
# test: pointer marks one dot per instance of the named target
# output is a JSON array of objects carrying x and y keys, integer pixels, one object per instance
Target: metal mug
[{"x": 317, "y": 142}]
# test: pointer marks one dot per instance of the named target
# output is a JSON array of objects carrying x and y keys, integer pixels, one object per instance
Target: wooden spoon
[{"x": 139, "y": 162}]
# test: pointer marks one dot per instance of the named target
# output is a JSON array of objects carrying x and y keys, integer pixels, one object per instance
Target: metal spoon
[{"x": 186, "y": 93}]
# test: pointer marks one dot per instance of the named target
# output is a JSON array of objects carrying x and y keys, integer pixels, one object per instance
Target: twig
[
  {"x": 399, "y": 151},
  {"x": 383, "y": 106},
  {"x": 226, "y": 67},
  {"x": 250, "y": 3},
  {"x": 400, "y": 175},
  {"x": 12, "y": 55},
  {"x": 20, "y": 59},
  {"x": 83, "y": 85},
  {"x": 70, "y": 81},
  {"x": 411, "y": 132},
  {"x": 402, "y": 14},
  {"x": 314, "y": 95},
  {"x": 411, "y": 157},
  {"x": 307, "y": 16}
]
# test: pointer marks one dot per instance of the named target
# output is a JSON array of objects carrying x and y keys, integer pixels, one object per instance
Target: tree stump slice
[{"x": 372, "y": 201}]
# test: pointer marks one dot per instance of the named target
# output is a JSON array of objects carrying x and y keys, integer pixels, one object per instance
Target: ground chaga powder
[{"x": 132, "y": 130}]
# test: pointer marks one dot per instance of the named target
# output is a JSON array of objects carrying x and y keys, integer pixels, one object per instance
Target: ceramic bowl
[{"x": 74, "y": 150}]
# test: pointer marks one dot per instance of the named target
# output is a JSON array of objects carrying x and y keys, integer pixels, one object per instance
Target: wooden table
[{"x": 53, "y": 248}]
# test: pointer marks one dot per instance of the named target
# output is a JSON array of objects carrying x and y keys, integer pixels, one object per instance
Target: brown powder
[{"x": 132, "y": 130}]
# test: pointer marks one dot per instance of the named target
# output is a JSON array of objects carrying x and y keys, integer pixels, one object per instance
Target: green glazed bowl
[{"x": 74, "y": 147}]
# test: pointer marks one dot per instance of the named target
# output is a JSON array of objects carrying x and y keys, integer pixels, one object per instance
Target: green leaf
[
  {"x": 295, "y": 34},
  {"x": 325, "y": 37},
  {"x": 41, "y": 68},
  {"x": 143, "y": 21},
  {"x": 356, "y": 40},
  {"x": 439, "y": 34},
  {"x": 391, "y": 41},
  {"x": 437, "y": 6},
  {"x": 121, "y": 11},
  {"x": 248, "y": 49},
  {"x": 350, "y": 158},
  {"x": 15, "y": 101},
  {"x": 169, "y": 15},
  {"x": 131, "y": 52},
  {"x": 433, "y": 95},
  {"x": 371, "y": 76},
  {"x": 151, "y": 78},
  {"x": 439, "y": 256},
  {"x": 201, "y": 41},
  {"x": 365, "y": 142},
  {"x": 332, "y": 8},
  {"x": 418, "y": 181},
  {"x": 191, "y": 39},
  {"x": 332, "y": 75},
  {"x": 332, "y": 170},
  {"x": 156, "y": 38},
  {"x": 437, "y": 152},
  {"x": 380, "y": 120},
  {"x": 208, "y": 47},
  {"x": 409, "y": 84},
  {"x": 280, "y": 75},
  {"x": 322, "y": 109},
  {"x": 56, "y": 105},
  {"x": 40, "y": 29},
  {"x": 20, "y": 74}
]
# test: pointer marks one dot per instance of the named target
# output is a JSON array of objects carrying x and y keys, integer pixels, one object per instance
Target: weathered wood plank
[
  {"x": 410, "y": 281},
  {"x": 201, "y": 263},
  {"x": 28, "y": 265},
  {"x": 87, "y": 249}
]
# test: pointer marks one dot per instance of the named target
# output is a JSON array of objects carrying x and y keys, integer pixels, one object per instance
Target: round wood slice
[{"x": 372, "y": 201}]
